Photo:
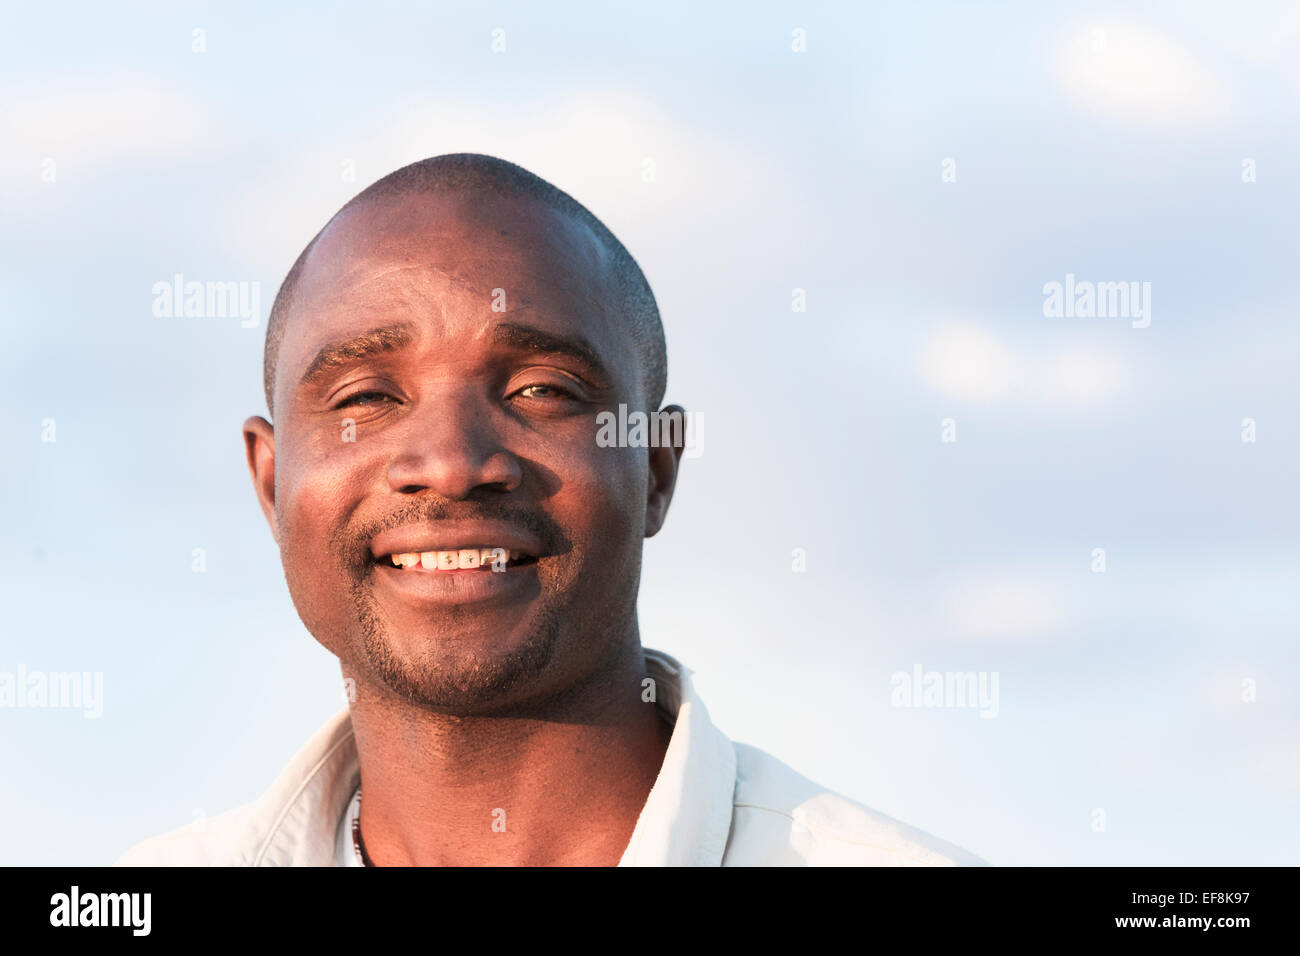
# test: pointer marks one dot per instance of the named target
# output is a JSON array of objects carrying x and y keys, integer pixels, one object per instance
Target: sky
[{"x": 852, "y": 216}]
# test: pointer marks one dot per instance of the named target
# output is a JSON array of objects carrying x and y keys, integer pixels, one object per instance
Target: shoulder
[
  {"x": 292, "y": 823},
  {"x": 781, "y": 818},
  {"x": 227, "y": 839}
]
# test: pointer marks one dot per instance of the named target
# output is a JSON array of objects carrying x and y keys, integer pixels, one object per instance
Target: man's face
[{"x": 436, "y": 391}]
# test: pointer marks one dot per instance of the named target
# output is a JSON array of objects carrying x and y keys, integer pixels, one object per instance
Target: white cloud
[
  {"x": 1275, "y": 755},
  {"x": 1003, "y": 605},
  {"x": 1081, "y": 376},
  {"x": 1226, "y": 693},
  {"x": 84, "y": 127},
  {"x": 1126, "y": 71},
  {"x": 592, "y": 145},
  {"x": 970, "y": 363}
]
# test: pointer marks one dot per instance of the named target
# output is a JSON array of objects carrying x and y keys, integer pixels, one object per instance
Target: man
[{"x": 451, "y": 529}]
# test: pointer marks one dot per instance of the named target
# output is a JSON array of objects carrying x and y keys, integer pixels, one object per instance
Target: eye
[
  {"x": 545, "y": 391},
  {"x": 365, "y": 398}
]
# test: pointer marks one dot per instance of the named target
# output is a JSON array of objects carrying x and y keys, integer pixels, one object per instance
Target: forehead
[{"x": 441, "y": 261}]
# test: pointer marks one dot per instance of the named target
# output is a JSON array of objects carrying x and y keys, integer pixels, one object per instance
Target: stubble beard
[{"x": 448, "y": 680}]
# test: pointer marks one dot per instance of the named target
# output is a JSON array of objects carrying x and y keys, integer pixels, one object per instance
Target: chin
[{"x": 463, "y": 668}]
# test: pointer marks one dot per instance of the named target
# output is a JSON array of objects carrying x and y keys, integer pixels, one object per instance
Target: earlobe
[
  {"x": 664, "y": 463},
  {"x": 259, "y": 447}
]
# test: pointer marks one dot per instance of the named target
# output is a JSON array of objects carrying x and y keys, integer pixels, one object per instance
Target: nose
[{"x": 449, "y": 446}]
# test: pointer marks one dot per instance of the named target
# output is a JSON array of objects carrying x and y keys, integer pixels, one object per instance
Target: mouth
[
  {"x": 473, "y": 560},
  {"x": 453, "y": 577},
  {"x": 447, "y": 564}
]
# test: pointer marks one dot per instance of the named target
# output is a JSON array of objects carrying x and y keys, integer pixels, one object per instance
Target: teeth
[{"x": 465, "y": 558}]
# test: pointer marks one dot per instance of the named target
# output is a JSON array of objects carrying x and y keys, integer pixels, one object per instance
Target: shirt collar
[
  {"x": 685, "y": 821},
  {"x": 687, "y": 816}
]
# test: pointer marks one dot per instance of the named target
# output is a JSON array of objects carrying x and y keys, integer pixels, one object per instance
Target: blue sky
[{"x": 1104, "y": 141}]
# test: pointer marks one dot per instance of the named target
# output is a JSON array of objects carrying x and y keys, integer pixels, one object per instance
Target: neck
[{"x": 559, "y": 787}]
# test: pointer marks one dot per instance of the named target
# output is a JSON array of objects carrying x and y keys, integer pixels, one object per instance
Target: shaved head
[
  {"x": 443, "y": 359},
  {"x": 475, "y": 173}
]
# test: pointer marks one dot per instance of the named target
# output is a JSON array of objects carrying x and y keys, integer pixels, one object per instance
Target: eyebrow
[
  {"x": 393, "y": 338},
  {"x": 390, "y": 338},
  {"x": 530, "y": 339}
]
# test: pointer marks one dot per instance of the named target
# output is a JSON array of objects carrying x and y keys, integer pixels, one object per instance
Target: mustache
[{"x": 351, "y": 544}]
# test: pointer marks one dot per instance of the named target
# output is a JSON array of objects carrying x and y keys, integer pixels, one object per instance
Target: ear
[
  {"x": 259, "y": 445},
  {"x": 664, "y": 462}
]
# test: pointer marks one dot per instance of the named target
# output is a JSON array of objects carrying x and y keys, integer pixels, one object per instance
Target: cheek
[
  {"x": 314, "y": 502},
  {"x": 602, "y": 499}
]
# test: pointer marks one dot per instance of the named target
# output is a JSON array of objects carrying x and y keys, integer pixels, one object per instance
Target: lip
[
  {"x": 453, "y": 536},
  {"x": 514, "y": 584}
]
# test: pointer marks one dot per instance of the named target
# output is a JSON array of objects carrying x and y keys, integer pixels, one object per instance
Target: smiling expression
[{"x": 436, "y": 394}]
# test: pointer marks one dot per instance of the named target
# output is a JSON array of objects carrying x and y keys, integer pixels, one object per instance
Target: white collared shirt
[{"x": 714, "y": 803}]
